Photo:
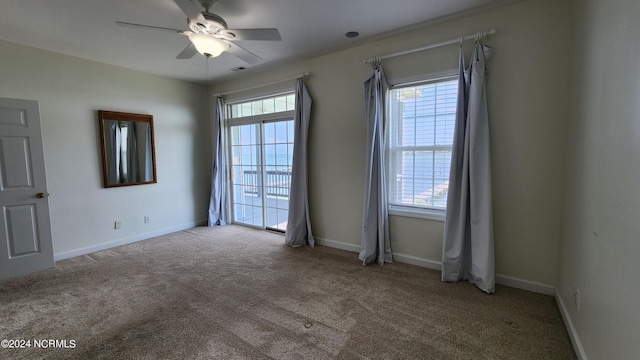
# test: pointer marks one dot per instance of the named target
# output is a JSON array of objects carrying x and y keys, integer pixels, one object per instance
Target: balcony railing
[{"x": 277, "y": 182}]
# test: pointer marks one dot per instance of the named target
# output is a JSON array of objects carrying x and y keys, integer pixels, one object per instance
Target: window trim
[
  {"x": 426, "y": 213},
  {"x": 416, "y": 212},
  {"x": 262, "y": 118}
]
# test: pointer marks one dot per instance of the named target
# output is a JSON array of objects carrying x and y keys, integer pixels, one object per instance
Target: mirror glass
[{"x": 128, "y": 152}]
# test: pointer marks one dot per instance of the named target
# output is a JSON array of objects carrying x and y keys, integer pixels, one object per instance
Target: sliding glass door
[
  {"x": 278, "y": 150},
  {"x": 261, "y": 149},
  {"x": 246, "y": 152},
  {"x": 262, "y": 155}
]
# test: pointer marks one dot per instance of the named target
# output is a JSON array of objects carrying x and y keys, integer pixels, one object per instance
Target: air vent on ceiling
[{"x": 239, "y": 68}]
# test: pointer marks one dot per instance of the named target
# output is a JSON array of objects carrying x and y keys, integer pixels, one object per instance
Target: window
[
  {"x": 261, "y": 150},
  {"x": 270, "y": 105},
  {"x": 420, "y": 140}
]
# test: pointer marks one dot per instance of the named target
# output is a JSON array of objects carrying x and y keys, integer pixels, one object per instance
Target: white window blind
[{"x": 420, "y": 139}]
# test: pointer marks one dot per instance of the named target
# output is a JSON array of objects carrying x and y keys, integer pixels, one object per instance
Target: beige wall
[
  {"x": 600, "y": 249},
  {"x": 528, "y": 91},
  {"x": 70, "y": 91}
]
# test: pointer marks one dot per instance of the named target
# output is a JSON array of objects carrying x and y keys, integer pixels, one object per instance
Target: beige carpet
[{"x": 237, "y": 293}]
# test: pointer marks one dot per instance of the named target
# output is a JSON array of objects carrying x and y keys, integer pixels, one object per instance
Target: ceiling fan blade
[
  {"x": 192, "y": 9},
  {"x": 252, "y": 34},
  {"x": 188, "y": 52},
  {"x": 150, "y": 27},
  {"x": 243, "y": 54}
]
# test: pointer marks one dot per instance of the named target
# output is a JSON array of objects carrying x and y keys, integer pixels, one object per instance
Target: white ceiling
[{"x": 87, "y": 29}]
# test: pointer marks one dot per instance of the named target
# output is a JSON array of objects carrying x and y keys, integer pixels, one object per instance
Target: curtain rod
[
  {"x": 481, "y": 34},
  {"x": 305, "y": 74}
]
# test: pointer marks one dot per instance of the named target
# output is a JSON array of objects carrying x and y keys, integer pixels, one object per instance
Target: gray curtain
[
  {"x": 375, "y": 244},
  {"x": 467, "y": 252},
  {"x": 218, "y": 213},
  {"x": 132, "y": 152},
  {"x": 298, "y": 232}
]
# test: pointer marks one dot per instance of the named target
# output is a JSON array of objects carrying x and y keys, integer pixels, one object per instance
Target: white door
[{"x": 25, "y": 231}]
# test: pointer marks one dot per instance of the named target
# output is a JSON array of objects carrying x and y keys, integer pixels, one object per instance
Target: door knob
[{"x": 41, "y": 195}]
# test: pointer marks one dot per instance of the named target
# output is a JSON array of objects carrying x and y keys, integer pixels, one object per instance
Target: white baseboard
[
  {"x": 571, "y": 329},
  {"x": 408, "y": 259},
  {"x": 437, "y": 265},
  {"x": 337, "y": 245},
  {"x": 124, "y": 241},
  {"x": 525, "y": 285}
]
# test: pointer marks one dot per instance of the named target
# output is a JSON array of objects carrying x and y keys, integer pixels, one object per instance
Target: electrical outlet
[
  {"x": 117, "y": 225},
  {"x": 147, "y": 219}
]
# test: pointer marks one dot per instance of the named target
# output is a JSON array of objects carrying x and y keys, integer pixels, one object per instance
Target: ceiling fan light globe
[{"x": 208, "y": 45}]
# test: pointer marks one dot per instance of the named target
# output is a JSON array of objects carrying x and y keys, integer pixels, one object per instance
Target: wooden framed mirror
[{"x": 128, "y": 150}]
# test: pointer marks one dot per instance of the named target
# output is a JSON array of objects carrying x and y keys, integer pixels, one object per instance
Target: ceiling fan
[{"x": 209, "y": 34}]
